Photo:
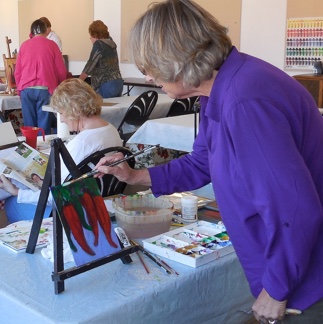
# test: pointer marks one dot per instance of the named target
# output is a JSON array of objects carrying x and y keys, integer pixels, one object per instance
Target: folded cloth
[{"x": 48, "y": 251}]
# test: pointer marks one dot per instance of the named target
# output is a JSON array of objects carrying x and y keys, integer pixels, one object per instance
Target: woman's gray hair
[
  {"x": 177, "y": 40},
  {"x": 76, "y": 98}
]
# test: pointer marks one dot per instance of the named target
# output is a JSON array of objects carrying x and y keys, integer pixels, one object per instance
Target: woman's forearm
[{"x": 139, "y": 177}]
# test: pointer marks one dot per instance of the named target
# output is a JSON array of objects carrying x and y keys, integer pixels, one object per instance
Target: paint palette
[{"x": 194, "y": 244}]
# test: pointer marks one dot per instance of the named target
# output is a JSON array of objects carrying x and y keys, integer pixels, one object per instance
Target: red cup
[{"x": 31, "y": 134}]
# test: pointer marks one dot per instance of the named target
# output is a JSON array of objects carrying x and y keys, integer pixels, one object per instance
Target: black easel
[{"x": 53, "y": 178}]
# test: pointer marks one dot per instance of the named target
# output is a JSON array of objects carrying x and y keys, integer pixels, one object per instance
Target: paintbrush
[
  {"x": 95, "y": 171},
  {"x": 150, "y": 256},
  {"x": 126, "y": 243}
]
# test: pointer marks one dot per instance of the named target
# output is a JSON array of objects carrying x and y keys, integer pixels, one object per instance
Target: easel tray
[{"x": 193, "y": 245}]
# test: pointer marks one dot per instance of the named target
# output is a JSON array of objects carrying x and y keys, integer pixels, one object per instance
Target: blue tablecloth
[{"x": 123, "y": 293}]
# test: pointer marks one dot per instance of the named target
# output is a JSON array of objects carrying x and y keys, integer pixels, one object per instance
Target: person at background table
[
  {"x": 103, "y": 64},
  {"x": 39, "y": 70},
  {"x": 260, "y": 143},
  {"x": 80, "y": 108},
  {"x": 50, "y": 34}
]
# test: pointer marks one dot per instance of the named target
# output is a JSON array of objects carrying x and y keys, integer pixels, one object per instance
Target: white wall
[
  {"x": 110, "y": 13},
  {"x": 8, "y": 26},
  {"x": 263, "y": 25}
]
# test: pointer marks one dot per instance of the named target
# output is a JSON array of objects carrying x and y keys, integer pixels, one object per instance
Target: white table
[
  {"x": 137, "y": 82},
  {"x": 114, "y": 109},
  {"x": 10, "y": 110},
  {"x": 114, "y": 114},
  {"x": 8, "y": 102},
  {"x": 175, "y": 133}
]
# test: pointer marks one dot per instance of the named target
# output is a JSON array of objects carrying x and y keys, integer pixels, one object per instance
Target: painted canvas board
[{"x": 86, "y": 220}]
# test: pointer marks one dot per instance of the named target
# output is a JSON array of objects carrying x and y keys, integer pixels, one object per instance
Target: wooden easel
[
  {"x": 8, "y": 42},
  {"x": 53, "y": 178},
  {"x": 9, "y": 65}
]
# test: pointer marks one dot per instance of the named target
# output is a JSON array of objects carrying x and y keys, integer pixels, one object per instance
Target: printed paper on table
[
  {"x": 16, "y": 235},
  {"x": 23, "y": 164}
]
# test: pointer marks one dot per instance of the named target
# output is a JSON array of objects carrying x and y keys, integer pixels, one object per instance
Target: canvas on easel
[
  {"x": 10, "y": 66},
  {"x": 86, "y": 220},
  {"x": 51, "y": 180}
]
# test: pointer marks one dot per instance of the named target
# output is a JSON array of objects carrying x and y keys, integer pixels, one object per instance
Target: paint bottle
[{"x": 189, "y": 209}]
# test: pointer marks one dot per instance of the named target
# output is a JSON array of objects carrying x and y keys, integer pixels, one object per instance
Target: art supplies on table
[
  {"x": 193, "y": 245},
  {"x": 177, "y": 196},
  {"x": 155, "y": 259},
  {"x": 16, "y": 235}
]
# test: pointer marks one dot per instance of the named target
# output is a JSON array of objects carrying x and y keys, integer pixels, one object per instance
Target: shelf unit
[{"x": 314, "y": 84}]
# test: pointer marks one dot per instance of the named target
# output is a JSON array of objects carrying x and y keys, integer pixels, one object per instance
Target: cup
[
  {"x": 62, "y": 128},
  {"x": 189, "y": 209},
  {"x": 31, "y": 134}
]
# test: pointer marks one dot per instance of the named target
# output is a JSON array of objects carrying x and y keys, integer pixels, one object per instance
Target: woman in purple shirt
[{"x": 260, "y": 143}]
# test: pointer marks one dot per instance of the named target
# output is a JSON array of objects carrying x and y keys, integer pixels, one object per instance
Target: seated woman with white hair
[{"x": 80, "y": 107}]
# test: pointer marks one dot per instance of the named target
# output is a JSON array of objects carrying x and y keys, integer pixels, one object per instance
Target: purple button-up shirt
[{"x": 260, "y": 143}]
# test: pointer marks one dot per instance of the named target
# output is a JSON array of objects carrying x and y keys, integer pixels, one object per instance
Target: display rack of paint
[
  {"x": 193, "y": 245},
  {"x": 304, "y": 43}
]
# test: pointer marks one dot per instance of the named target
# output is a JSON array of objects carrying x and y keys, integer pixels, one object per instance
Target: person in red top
[{"x": 39, "y": 70}]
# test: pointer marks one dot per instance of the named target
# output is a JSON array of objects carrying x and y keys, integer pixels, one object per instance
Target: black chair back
[
  {"x": 138, "y": 112},
  {"x": 108, "y": 185},
  {"x": 184, "y": 106}
]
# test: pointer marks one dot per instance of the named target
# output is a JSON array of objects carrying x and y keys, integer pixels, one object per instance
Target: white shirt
[
  {"x": 80, "y": 147},
  {"x": 55, "y": 38}
]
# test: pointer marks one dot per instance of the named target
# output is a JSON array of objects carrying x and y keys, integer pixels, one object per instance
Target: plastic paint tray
[{"x": 193, "y": 245}]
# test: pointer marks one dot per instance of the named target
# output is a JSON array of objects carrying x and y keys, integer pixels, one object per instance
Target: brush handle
[
  {"x": 133, "y": 155},
  {"x": 151, "y": 257},
  {"x": 93, "y": 172}
]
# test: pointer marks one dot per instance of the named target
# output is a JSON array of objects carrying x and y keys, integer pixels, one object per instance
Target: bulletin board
[
  {"x": 70, "y": 19},
  {"x": 227, "y": 15},
  {"x": 304, "y": 34}
]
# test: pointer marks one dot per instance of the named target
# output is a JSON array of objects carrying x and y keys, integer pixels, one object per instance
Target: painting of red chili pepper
[
  {"x": 104, "y": 218},
  {"x": 75, "y": 225},
  {"x": 91, "y": 212},
  {"x": 85, "y": 220}
]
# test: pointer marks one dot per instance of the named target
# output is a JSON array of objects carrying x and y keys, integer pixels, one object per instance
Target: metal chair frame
[
  {"x": 183, "y": 107},
  {"x": 108, "y": 185},
  {"x": 138, "y": 112}
]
